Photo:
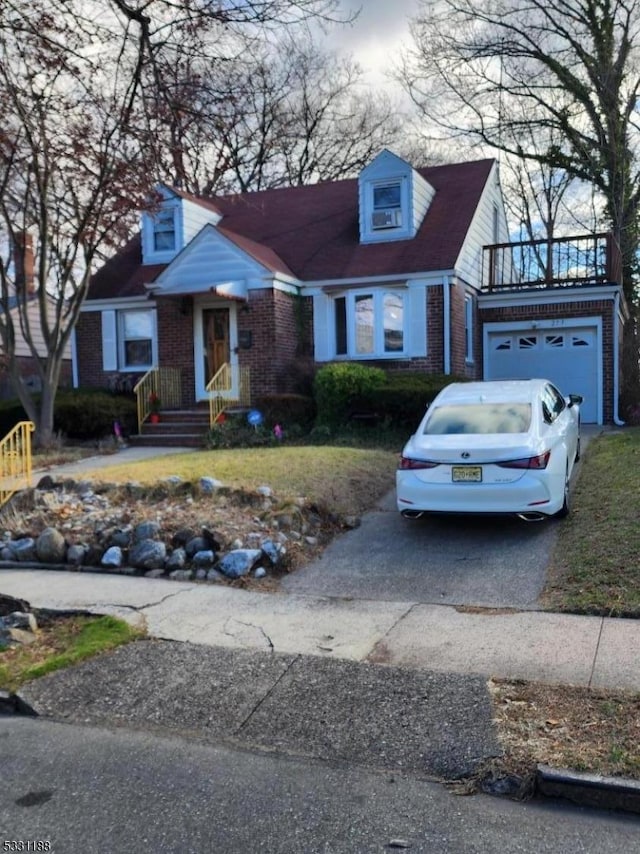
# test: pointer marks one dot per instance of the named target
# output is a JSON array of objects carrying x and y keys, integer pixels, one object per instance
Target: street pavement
[{"x": 110, "y": 789}]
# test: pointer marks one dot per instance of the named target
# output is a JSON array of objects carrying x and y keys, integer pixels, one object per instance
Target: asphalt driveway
[
  {"x": 490, "y": 562},
  {"x": 447, "y": 560}
]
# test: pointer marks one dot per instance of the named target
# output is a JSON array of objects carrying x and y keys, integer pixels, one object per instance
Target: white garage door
[{"x": 568, "y": 356}]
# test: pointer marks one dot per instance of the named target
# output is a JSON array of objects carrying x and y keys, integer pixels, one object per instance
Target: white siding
[
  {"x": 209, "y": 259},
  {"x": 422, "y": 196},
  {"x": 22, "y": 348},
  {"x": 194, "y": 217},
  {"x": 481, "y": 232}
]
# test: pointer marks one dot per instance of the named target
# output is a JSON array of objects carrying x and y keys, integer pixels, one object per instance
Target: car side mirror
[{"x": 575, "y": 399}]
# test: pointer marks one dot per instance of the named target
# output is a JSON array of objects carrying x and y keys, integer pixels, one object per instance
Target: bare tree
[
  {"x": 505, "y": 70},
  {"x": 280, "y": 113},
  {"x": 501, "y": 71},
  {"x": 76, "y": 80}
]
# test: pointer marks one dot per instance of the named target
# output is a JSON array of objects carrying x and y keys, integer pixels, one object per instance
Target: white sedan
[{"x": 506, "y": 446}]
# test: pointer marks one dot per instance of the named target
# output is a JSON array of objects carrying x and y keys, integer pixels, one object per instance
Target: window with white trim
[
  {"x": 135, "y": 338},
  {"x": 387, "y": 206},
  {"x": 370, "y": 324},
  {"x": 164, "y": 231},
  {"x": 129, "y": 339}
]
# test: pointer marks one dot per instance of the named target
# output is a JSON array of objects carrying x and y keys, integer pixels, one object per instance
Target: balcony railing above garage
[{"x": 590, "y": 259}]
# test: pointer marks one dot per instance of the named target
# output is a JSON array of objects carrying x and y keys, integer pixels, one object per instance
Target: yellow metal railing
[
  {"x": 230, "y": 386},
  {"x": 159, "y": 388},
  {"x": 15, "y": 460}
]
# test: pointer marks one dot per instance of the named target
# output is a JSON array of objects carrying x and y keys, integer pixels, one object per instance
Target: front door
[
  {"x": 215, "y": 335},
  {"x": 215, "y": 340}
]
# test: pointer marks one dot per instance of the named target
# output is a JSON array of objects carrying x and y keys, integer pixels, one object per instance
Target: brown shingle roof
[{"x": 312, "y": 232}]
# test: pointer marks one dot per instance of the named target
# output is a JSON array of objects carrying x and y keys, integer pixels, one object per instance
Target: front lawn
[
  {"x": 595, "y": 567},
  {"x": 345, "y": 480}
]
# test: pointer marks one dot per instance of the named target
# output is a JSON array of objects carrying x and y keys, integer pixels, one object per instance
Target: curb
[{"x": 589, "y": 790}]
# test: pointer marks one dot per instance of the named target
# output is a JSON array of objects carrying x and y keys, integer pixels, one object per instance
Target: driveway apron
[{"x": 485, "y": 561}]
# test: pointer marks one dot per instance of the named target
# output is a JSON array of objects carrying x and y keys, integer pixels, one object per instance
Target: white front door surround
[{"x": 567, "y": 351}]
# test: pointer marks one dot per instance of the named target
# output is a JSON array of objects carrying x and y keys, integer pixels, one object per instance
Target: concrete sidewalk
[{"x": 553, "y": 648}]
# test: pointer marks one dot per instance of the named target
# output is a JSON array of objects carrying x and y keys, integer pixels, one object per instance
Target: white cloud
[{"x": 377, "y": 34}]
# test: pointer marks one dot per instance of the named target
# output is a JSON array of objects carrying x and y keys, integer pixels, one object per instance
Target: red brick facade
[{"x": 275, "y": 334}]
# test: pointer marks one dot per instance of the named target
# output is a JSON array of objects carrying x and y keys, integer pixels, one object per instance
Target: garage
[{"x": 568, "y": 352}]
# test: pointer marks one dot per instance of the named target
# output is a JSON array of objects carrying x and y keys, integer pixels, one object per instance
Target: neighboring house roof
[
  {"x": 312, "y": 232},
  {"x": 124, "y": 275}
]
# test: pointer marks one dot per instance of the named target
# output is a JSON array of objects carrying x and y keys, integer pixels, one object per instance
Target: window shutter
[
  {"x": 323, "y": 348},
  {"x": 418, "y": 321},
  {"x": 109, "y": 341}
]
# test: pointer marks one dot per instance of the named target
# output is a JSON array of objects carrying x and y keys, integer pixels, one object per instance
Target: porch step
[{"x": 177, "y": 428}]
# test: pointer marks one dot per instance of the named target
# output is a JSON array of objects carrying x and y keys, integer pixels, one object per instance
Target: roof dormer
[
  {"x": 393, "y": 199},
  {"x": 173, "y": 224}
]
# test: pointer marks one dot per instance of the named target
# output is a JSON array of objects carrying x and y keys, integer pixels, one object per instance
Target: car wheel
[{"x": 564, "y": 511}]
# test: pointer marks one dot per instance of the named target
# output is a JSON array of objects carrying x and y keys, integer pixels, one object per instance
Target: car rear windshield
[{"x": 479, "y": 418}]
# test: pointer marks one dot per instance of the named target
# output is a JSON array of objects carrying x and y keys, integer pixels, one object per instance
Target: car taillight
[
  {"x": 408, "y": 463},
  {"x": 539, "y": 462}
]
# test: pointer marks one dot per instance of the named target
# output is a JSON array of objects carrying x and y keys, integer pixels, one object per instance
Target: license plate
[{"x": 466, "y": 474}]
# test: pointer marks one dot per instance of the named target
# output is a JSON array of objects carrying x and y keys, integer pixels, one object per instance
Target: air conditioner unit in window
[{"x": 386, "y": 219}]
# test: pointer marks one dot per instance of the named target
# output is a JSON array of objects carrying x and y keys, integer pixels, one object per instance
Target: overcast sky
[{"x": 376, "y": 35}]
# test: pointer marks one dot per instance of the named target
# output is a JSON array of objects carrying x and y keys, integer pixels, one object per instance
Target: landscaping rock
[
  {"x": 9, "y": 605},
  {"x": 154, "y": 573},
  {"x": 24, "y": 549},
  {"x": 112, "y": 557},
  {"x": 181, "y": 575},
  {"x": 196, "y": 544},
  {"x": 20, "y": 620},
  {"x": 274, "y": 551},
  {"x": 264, "y": 490},
  {"x": 206, "y": 557},
  {"x": 146, "y": 531},
  {"x": 148, "y": 554},
  {"x": 121, "y": 537},
  {"x": 209, "y": 485},
  {"x": 260, "y": 572},
  {"x": 214, "y": 575},
  {"x": 182, "y": 537},
  {"x": 177, "y": 559},
  {"x": 239, "y": 562},
  {"x": 76, "y": 554},
  {"x": 50, "y": 546}
]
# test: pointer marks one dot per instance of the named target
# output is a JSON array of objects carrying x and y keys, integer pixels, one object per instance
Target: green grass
[
  {"x": 595, "y": 568},
  {"x": 344, "y": 478},
  {"x": 61, "y": 643}
]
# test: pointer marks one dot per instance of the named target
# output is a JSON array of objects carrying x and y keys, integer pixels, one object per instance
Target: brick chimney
[{"x": 23, "y": 262}]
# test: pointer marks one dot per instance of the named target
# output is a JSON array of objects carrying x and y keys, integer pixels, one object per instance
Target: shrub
[
  {"x": 402, "y": 400},
  {"x": 237, "y": 433},
  {"x": 11, "y": 412},
  {"x": 287, "y": 410},
  {"x": 89, "y": 413},
  {"x": 338, "y": 386}
]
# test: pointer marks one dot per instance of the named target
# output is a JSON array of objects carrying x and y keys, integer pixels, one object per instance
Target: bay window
[{"x": 370, "y": 324}]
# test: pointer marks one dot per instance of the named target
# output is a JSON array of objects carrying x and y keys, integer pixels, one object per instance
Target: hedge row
[{"x": 80, "y": 413}]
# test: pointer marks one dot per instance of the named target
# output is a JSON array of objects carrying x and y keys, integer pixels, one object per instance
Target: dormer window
[
  {"x": 393, "y": 200},
  {"x": 387, "y": 206},
  {"x": 164, "y": 231}
]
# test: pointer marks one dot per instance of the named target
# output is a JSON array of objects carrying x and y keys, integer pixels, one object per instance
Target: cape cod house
[{"x": 404, "y": 268}]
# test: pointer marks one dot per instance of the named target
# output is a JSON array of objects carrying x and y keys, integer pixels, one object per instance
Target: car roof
[{"x": 498, "y": 391}]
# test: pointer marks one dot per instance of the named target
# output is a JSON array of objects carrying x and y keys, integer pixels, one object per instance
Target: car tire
[{"x": 564, "y": 511}]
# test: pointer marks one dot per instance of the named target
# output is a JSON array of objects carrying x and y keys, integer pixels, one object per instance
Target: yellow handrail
[
  {"x": 229, "y": 386},
  {"x": 15, "y": 460},
  {"x": 158, "y": 388}
]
